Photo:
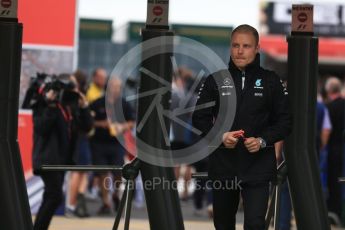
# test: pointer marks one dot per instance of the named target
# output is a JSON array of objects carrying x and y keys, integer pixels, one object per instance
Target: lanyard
[
  {"x": 65, "y": 113},
  {"x": 67, "y": 117}
]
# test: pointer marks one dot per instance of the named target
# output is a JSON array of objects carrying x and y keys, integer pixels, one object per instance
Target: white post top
[
  {"x": 302, "y": 18},
  {"x": 8, "y": 8},
  {"x": 157, "y": 13}
]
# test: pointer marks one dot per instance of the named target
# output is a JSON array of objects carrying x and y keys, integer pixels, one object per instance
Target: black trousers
[
  {"x": 225, "y": 204},
  {"x": 52, "y": 198},
  {"x": 335, "y": 168},
  {"x": 201, "y": 184}
]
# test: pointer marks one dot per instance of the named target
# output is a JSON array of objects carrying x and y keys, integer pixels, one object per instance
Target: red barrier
[{"x": 25, "y": 140}]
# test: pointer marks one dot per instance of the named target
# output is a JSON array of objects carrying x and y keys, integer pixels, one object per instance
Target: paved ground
[
  {"x": 139, "y": 220},
  {"x": 107, "y": 223},
  {"x": 97, "y": 223}
]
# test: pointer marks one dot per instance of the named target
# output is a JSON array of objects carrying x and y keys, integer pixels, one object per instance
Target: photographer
[{"x": 61, "y": 113}]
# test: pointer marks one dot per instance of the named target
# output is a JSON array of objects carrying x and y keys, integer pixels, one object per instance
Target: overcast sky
[
  {"x": 201, "y": 12},
  {"x": 209, "y": 12}
]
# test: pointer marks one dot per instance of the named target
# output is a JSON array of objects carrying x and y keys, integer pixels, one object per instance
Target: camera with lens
[{"x": 42, "y": 83}]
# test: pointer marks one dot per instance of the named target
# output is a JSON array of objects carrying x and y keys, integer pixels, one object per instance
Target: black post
[
  {"x": 15, "y": 211},
  {"x": 301, "y": 157},
  {"x": 162, "y": 199}
]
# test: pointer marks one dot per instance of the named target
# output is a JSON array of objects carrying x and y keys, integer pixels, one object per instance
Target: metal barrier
[
  {"x": 129, "y": 171},
  {"x": 274, "y": 207}
]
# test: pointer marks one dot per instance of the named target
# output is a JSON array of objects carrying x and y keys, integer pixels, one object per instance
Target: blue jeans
[{"x": 284, "y": 222}]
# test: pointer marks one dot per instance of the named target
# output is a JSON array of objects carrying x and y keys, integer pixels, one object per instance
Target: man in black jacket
[
  {"x": 335, "y": 107},
  {"x": 247, "y": 153}
]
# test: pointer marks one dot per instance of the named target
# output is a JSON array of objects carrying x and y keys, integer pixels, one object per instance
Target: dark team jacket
[
  {"x": 336, "y": 115},
  {"x": 55, "y": 135},
  {"x": 261, "y": 111}
]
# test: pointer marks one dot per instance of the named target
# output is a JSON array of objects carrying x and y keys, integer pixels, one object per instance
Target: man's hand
[
  {"x": 278, "y": 147},
  {"x": 51, "y": 95},
  {"x": 104, "y": 124},
  {"x": 83, "y": 103},
  {"x": 252, "y": 144},
  {"x": 230, "y": 139}
]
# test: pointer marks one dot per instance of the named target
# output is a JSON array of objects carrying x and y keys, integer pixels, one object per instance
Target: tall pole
[
  {"x": 162, "y": 199},
  {"x": 301, "y": 158},
  {"x": 15, "y": 211}
]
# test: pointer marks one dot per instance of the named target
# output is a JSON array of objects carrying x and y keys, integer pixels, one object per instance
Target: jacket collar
[{"x": 251, "y": 67}]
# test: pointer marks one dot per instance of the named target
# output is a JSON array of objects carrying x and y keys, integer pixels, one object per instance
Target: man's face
[
  {"x": 114, "y": 88},
  {"x": 100, "y": 78},
  {"x": 243, "y": 49}
]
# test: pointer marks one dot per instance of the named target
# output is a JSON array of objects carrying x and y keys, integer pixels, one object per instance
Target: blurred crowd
[
  {"x": 330, "y": 120},
  {"x": 76, "y": 122},
  {"x": 71, "y": 126},
  {"x": 87, "y": 130}
]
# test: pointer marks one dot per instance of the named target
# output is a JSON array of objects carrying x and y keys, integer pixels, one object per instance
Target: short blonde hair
[
  {"x": 333, "y": 85},
  {"x": 245, "y": 28}
]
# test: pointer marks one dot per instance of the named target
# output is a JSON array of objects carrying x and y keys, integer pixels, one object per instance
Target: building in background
[
  {"x": 329, "y": 26},
  {"x": 97, "y": 49}
]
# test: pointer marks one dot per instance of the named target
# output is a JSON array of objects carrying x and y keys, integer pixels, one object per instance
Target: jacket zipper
[{"x": 243, "y": 78}]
